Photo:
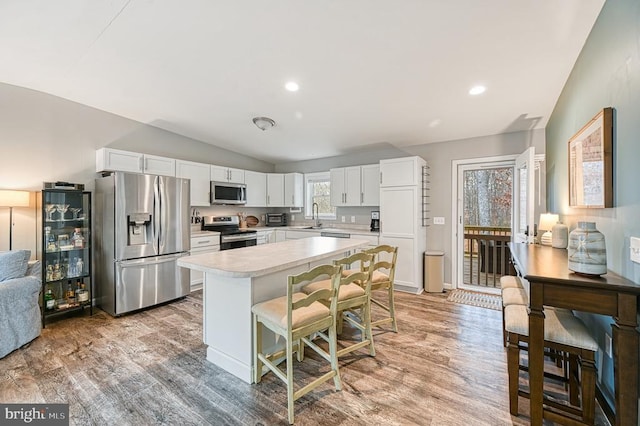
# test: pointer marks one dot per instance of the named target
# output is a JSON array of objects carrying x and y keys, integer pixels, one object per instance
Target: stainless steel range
[{"x": 231, "y": 235}]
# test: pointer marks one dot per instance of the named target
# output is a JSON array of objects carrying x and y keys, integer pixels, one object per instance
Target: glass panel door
[{"x": 524, "y": 196}]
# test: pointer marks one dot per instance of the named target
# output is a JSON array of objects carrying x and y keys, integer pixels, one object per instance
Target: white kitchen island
[{"x": 235, "y": 280}]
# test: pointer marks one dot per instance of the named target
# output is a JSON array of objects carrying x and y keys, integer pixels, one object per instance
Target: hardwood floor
[{"x": 446, "y": 366}]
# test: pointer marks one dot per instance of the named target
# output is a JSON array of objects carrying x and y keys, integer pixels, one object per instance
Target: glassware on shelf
[
  {"x": 49, "y": 240},
  {"x": 62, "y": 208},
  {"x": 75, "y": 211},
  {"x": 64, "y": 243},
  {"x": 82, "y": 294},
  {"x": 77, "y": 239},
  {"x": 49, "y": 274},
  {"x": 79, "y": 267},
  {"x": 49, "y": 300},
  {"x": 56, "y": 273},
  {"x": 50, "y": 209}
]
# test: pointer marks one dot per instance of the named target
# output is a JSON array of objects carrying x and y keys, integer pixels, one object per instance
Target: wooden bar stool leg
[
  {"x": 392, "y": 309},
  {"x": 588, "y": 386},
  {"x": 290, "y": 392},
  {"x": 573, "y": 380},
  {"x": 513, "y": 368}
]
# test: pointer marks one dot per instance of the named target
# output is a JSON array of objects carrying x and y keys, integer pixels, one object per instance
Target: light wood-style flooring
[{"x": 446, "y": 366}]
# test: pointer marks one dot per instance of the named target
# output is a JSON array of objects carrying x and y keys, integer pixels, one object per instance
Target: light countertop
[
  {"x": 344, "y": 230},
  {"x": 268, "y": 258}
]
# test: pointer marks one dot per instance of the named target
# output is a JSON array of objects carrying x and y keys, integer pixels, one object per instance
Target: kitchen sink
[{"x": 305, "y": 227}]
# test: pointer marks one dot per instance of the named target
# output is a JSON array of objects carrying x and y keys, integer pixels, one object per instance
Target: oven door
[{"x": 232, "y": 241}]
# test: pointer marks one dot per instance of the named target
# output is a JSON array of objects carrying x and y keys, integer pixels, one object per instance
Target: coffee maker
[{"x": 375, "y": 221}]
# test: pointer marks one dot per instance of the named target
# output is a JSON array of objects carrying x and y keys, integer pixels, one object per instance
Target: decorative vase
[
  {"x": 560, "y": 236},
  {"x": 587, "y": 251}
]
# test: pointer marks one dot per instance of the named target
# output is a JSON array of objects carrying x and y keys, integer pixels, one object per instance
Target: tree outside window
[{"x": 318, "y": 190}]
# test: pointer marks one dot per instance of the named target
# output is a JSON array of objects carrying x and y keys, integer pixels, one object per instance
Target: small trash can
[{"x": 434, "y": 271}]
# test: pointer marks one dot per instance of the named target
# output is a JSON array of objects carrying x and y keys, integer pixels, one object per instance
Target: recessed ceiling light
[
  {"x": 477, "y": 90},
  {"x": 292, "y": 86}
]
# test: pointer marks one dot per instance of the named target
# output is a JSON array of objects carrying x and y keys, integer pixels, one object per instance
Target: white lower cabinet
[
  {"x": 408, "y": 275},
  {"x": 280, "y": 235},
  {"x": 202, "y": 244},
  {"x": 265, "y": 236},
  {"x": 296, "y": 235}
]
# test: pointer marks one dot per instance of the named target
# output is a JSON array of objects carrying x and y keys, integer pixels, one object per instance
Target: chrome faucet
[{"x": 316, "y": 215}]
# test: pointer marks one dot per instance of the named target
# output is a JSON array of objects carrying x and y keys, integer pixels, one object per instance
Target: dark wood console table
[{"x": 553, "y": 284}]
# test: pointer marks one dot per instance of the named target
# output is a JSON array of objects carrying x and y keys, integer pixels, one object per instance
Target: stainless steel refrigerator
[{"x": 142, "y": 229}]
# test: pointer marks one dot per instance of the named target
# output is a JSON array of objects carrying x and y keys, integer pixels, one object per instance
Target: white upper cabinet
[
  {"x": 256, "y": 188},
  {"x": 370, "y": 185},
  {"x": 199, "y": 174},
  {"x": 401, "y": 171},
  {"x": 285, "y": 189},
  {"x": 227, "y": 174},
  {"x": 345, "y": 186},
  {"x": 355, "y": 186},
  {"x": 294, "y": 190},
  {"x": 275, "y": 190},
  {"x": 115, "y": 160}
]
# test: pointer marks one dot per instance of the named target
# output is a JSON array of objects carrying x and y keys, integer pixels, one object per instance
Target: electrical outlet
[
  {"x": 293, "y": 218},
  {"x": 343, "y": 219},
  {"x": 263, "y": 218},
  {"x": 438, "y": 220},
  {"x": 634, "y": 248},
  {"x": 353, "y": 219},
  {"x": 608, "y": 345}
]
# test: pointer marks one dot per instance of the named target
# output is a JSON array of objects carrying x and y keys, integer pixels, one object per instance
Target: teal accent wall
[{"x": 606, "y": 74}]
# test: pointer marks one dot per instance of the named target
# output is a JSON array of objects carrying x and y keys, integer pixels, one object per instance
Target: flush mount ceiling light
[
  {"x": 263, "y": 123},
  {"x": 477, "y": 90},
  {"x": 292, "y": 86}
]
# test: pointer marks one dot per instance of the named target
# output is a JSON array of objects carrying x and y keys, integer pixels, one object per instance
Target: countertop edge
[{"x": 184, "y": 262}]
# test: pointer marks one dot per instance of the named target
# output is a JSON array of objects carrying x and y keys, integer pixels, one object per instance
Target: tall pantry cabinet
[{"x": 401, "y": 221}]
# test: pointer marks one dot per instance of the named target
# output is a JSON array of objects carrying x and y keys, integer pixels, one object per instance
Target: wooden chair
[
  {"x": 354, "y": 296},
  {"x": 513, "y": 293},
  {"x": 384, "y": 259},
  {"x": 295, "y": 317},
  {"x": 563, "y": 333}
]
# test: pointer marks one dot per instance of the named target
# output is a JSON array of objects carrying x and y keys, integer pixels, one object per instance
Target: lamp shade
[
  {"x": 547, "y": 220},
  {"x": 10, "y": 198}
]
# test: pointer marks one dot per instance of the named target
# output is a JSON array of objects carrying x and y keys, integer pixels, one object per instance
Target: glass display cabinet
[{"x": 65, "y": 246}]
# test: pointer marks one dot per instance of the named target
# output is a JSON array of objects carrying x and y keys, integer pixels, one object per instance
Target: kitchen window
[{"x": 318, "y": 190}]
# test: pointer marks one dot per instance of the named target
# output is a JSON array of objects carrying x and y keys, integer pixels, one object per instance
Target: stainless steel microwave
[{"x": 228, "y": 193}]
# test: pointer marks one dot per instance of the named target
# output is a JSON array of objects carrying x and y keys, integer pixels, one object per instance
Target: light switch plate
[
  {"x": 634, "y": 244},
  {"x": 438, "y": 220},
  {"x": 353, "y": 219}
]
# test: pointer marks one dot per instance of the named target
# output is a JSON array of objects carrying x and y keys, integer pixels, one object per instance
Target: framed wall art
[{"x": 591, "y": 163}]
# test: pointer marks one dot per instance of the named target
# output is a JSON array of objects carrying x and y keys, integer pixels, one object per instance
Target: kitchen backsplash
[{"x": 354, "y": 217}]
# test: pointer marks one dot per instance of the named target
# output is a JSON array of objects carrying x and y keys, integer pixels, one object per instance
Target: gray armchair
[{"x": 20, "y": 316}]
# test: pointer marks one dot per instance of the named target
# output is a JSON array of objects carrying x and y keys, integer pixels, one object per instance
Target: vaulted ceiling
[{"x": 369, "y": 71}]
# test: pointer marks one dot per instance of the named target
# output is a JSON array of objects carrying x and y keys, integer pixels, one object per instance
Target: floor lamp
[{"x": 11, "y": 199}]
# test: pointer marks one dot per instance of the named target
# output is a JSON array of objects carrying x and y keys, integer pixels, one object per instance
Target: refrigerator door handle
[
  {"x": 157, "y": 207},
  {"x": 151, "y": 260}
]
